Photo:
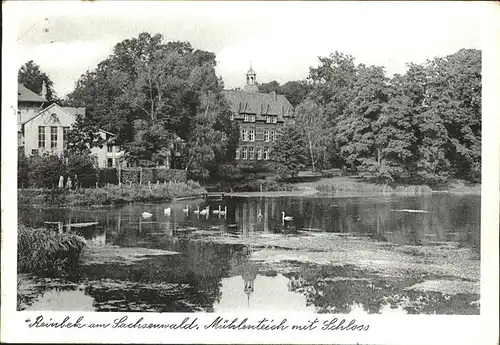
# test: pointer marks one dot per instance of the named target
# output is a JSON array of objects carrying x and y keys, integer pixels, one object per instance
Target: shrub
[
  {"x": 81, "y": 168},
  {"x": 44, "y": 171},
  {"x": 107, "y": 175},
  {"x": 42, "y": 250}
]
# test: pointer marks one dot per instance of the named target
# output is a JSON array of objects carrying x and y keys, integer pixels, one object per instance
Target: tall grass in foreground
[{"x": 42, "y": 250}]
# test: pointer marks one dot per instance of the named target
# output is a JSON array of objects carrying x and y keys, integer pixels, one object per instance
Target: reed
[{"x": 42, "y": 250}]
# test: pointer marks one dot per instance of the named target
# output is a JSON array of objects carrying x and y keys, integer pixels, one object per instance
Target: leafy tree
[
  {"x": 84, "y": 135},
  {"x": 356, "y": 131},
  {"x": 312, "y": 123},
  {"x": 332, "y": 85},
  {"x": 270, "y": 87},
  {"x": 151, "y": 144},
  {"x": 148, "y": 80},
  {"x": 204, "y": 138},
  {"x": 296, "y": 91},
  {"x": 289, "y": 152},
  {"x": 32, "y": 77}
]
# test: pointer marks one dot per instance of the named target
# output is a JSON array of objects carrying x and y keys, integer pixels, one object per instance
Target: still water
[{"x": 216, "y": 276}]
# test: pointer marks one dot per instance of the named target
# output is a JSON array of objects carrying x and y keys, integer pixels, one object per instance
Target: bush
[
  {"x": 107, "y": 175},
  {"x": 81, "y": 168},
  {"x": 44, "y": 171},
  {"x": 42, "y": 250}
]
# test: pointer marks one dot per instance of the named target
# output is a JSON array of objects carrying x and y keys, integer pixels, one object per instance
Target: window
[
  {"x": 65, "y": 136},
  {"x": 259, "y": 153},
  {"x": 41, "y": 136},
  {"x": 252, "y": 118},
  {"x": 246, "y": 118},
  {"x": 251, "y": 153},
  {"x": 110, "y": 162},
  {"x": 251, "y": 135},
  {"x": 244, "y": 153},
  {"x": 110, "y": 148},
  {"x": 274, "y": 119},
  {"x": 268, "y": 119},
  {"x": 273, "y": 136},
  {"x": 19, "y": 139},
  {"x": 53, "y": 137},
  {"x": 266, "y": 153},
  {"x": 244, "y": 135},
  {"x": 266, "y": 136},
  {"x": 237, "y": 154}
]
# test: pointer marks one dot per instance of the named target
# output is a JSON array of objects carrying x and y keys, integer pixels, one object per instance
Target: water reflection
[{"x": 212, "y": 276}]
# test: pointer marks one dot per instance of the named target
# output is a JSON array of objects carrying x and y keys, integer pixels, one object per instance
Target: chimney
[{"x": 44, "y": 90}]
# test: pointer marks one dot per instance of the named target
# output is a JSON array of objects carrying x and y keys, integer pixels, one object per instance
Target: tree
[
  {"x": 296, "y": 91},
  {"x": 204, "y": 139},
  {"x": 148, "y": 80},
  {"x": 332, "y": 85},
  {"x": 272, "y": 86},
  {"x": 356, "y": 130},
  {"x": 312, "y": 123},
  {"x": 84, "y": 135},
  {"x": 32, "y": 77},
  {"x": 289, "y": 152}
]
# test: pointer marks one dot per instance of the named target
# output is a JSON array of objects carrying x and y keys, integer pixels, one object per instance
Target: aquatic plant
[
  {"x": 110, "y": 194},
  {"x": 42, "y": 250}
]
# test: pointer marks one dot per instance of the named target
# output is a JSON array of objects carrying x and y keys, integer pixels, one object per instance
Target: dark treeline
[{"x": 423, "y": 126}]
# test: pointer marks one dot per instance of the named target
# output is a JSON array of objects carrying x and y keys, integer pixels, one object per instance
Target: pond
[{"x": 248, "y": 257}]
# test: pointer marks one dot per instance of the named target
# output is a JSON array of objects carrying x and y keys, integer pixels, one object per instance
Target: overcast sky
[{"x": 282, "y": 39}]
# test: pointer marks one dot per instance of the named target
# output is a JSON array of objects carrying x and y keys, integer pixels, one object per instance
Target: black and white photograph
[{"x": 305, "y": 158}]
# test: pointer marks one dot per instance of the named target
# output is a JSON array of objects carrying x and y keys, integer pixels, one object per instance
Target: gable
[{"x": 53, "y": 115}]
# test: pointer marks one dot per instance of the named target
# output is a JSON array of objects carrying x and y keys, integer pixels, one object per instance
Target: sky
[{"x": 281, "y": 39}]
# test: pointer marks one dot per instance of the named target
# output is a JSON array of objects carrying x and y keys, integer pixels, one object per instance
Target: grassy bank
[
  {"x": 110, "y": 195},
  {"x": 42, "y": 250},
  {"x": 356, "y": 186}
]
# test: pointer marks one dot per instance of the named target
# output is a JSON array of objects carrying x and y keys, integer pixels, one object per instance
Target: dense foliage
[
  {"x": 423, "y": 126},
  {"x": 150, "y": 93},
  {"x": 31, "y": 76}
]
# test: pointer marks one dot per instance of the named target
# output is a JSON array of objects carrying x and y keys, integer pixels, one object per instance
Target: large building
[
  {"x": 259, "y": 116},
  {"x": 44, "y": 130}
]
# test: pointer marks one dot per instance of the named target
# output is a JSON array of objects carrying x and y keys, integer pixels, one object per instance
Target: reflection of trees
[{"x": 201, "y": 267}]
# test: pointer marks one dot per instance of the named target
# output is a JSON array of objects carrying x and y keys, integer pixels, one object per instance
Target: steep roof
[
  {"x": 75, "y": 111},
  {"x": 26, "y": 95},
  {"x": 258, "y": 103}
]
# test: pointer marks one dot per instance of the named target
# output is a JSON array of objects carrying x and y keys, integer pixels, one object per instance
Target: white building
[{"x": 45, "y": 130}]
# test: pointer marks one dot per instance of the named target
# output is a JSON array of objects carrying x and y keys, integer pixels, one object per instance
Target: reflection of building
[
  {"x": 260, "y": 115},
  {"x": 249, "y": 274}
]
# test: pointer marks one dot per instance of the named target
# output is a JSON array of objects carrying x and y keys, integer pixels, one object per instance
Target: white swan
[
  {"x": 216, "y": 211},
  {"x": 204, "y": 211},
  {"x": 285, "y": 218},
  {"x": 146, "y": 214},
  {"x": 197, "y": 211},
  {"x": 223, "y": 213},
  {"x": 167, "y": 211}
]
